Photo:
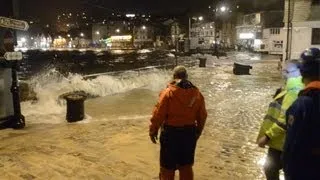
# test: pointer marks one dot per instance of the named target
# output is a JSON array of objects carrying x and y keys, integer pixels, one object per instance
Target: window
[
  {"x": 315, "y": 2},
  {"x": 315, "y": 37},
  {"x": 275, "y": 31}
]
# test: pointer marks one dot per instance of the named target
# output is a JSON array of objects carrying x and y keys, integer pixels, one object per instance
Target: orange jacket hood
[{"x": 186, "y": 96}]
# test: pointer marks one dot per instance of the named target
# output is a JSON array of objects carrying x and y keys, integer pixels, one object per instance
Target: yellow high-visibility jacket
[{"x": 274, "y": 123}]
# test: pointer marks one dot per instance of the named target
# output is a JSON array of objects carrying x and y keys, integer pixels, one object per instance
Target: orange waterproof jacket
[{"x": 179, "y": 107}]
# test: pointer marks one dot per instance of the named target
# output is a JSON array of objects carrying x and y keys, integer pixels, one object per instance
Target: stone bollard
[
  {"x": 241, "y": 69},
  {"x": 203, "y": 61},
  {"x": 75, "y": 106}
]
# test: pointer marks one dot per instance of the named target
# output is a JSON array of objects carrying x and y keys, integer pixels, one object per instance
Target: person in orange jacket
[{"x": 181, "y": 114}]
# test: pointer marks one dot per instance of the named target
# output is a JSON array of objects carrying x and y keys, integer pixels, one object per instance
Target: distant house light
[
  {"x": 97, "y": 33},
  {"x": 246, "y": 35},
  {"x": 123, "y": 38},
  {"x": 130, "y": 15}
]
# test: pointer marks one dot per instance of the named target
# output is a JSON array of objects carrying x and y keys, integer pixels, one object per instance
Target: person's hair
[{"x": 180, "y": 72}]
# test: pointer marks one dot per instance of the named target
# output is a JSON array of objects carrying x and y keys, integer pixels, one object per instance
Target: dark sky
[{"x": 48, "y": 9}]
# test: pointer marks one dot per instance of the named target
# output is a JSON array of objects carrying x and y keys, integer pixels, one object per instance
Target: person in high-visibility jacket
[
  {"x": 181, "y": 114},
  {"x": 273, "y": 129}
]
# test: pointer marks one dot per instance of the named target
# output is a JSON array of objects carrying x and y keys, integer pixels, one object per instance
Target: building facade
[
  {"x": 144, "y": 36},
  {"x": 305, "y": 29},
  {"x": 258, "y": 31},
  {"x": 202, "y": 35}
]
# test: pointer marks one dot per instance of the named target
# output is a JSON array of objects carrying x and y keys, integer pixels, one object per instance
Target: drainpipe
[{"x": 289, "y": 31}]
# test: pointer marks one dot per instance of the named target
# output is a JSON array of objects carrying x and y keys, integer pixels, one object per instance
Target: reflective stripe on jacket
[{"x": 274, "y": 123}]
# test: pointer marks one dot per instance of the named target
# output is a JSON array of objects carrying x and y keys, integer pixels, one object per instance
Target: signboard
[
  {"x": 13, "y": 23},
  {"x": 12, "y": 56}
]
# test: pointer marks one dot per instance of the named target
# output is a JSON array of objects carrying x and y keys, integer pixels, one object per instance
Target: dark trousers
[
  {"x": 178, "y": 146},
  {"x": 273, "y": 164}
]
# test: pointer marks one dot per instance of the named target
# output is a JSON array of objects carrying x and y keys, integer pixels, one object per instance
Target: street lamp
[
  {"x": 223, "y": 9},
  {"x": 23, "y": 39},
  {"x": 69, "y": 35},
  {"x": 81, "y": 34},
  {"x": 97, "y": 33},
  {"x": 200, "y": 18},
  {"x": 117, "y": 30},
  {"x": 144, "y": 27}
]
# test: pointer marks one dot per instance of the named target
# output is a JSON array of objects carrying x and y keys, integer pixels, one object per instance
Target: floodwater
[{"x": 113, "y": 143}]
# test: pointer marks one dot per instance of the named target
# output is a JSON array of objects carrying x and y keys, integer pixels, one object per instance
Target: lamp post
[{"x": 222, "y": 9}]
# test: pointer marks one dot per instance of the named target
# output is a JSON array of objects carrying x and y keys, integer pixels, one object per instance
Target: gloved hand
[
  {"x": 154, "y": 137},
  {"x": 263, "y": 141}
]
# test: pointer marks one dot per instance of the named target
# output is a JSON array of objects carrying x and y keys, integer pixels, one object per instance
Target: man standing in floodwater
[
  {"x": 181, "y": 114},
  {"x": 273, "y": 129}
]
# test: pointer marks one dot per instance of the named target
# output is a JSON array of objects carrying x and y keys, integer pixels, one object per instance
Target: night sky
[{"x": 47, "y": 10}]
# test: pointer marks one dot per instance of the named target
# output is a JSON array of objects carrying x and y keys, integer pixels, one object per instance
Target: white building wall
[
  {"x": 305, "y": 16},
  {"x": 301, "y": 37},
  {"x": 274, "y": 41},
  {"x": 300, "y": 10}
]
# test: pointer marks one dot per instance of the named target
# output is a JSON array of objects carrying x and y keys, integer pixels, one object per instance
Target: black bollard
[
  {"x": 241, "y": 69},
  {"x": 75, "y": 107},
  {"x": 203, "y": 61}
]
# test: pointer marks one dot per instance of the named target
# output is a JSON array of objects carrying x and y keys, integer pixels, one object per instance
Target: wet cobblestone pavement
[{"x": 114, "y": 144}]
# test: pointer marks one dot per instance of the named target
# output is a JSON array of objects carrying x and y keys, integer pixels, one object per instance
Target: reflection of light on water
[
  {"x": 118, "y": 51},
  {"x": 262, "y": 161}
]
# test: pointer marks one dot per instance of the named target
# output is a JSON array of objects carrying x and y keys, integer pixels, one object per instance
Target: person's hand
[
  {"x": 154, "y": 138},
  {"x": 263, "y": 141}
]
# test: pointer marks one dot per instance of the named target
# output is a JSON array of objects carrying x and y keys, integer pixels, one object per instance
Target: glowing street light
[
  {"x": 23, "y": 39},
  {"x": 81, "y": 34},
  {"x": 223, "y": 9},
  {"x": 97, "y": 33},
  {"x": 200, "y": 18},
  {"x": 144, "y": 27},
  {"x": 69, "y": 35},
  {"x": 130, "y": 15},
  {"x": 117, "y": 30}
]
